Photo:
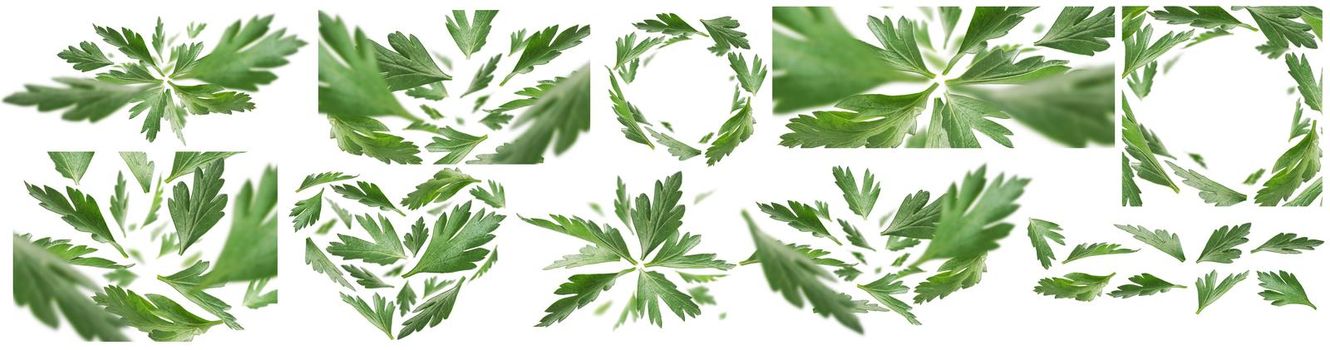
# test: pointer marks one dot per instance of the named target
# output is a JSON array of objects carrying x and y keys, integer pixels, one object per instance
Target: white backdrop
[{"x": 1076, "y": 188}]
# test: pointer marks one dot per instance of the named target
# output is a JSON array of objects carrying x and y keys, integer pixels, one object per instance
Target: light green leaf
[
  {"x": 1222, "y": 245},
  {"x": 1076, "y": 285},
  {"x": 1076, "y": 31},
  {"x": 1041, "y": 232},
  {"x": 71, "y": 165},
  {"x": 1143, "y": 285},
  {"x": 1209, "y": 289}
]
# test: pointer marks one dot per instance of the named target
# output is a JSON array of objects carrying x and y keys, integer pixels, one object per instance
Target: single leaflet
[
  {"x": 961, "y": 226},
  {"x": 951, "y": 105},
  {"x": 167, "y": 77},
  {"x": 664, "y": 251},
  {"x": 364, "y": 85},
  {"x": 50, "y": 273},
  {"x": 448, "y": 246},
  {"x": 1294, "y": 178},
  {"x": 668, "y": 29}
]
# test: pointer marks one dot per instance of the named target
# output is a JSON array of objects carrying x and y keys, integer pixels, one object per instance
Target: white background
[{"x": 1077, "y": 188}]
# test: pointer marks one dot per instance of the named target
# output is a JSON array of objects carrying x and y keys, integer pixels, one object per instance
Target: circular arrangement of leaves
[
  {"x": 1288, "y": 30},
  {"x": 362, "y": 83},
  {"x": 959, "y": 227},
  {"x": 664, "y": 31},
  {"x": 168, "y": 77},
  {"x": 50, "y": 273},
  {"x": 439, "y": 255}
]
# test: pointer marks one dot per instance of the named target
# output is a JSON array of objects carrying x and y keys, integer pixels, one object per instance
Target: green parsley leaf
[
  {"x": 368, "y": 194},
  {"x": 1299, "y": 164},
  {"x": 255, "y": 297},
  {"x": 1204, "y": 17},
  {"x": 749, "y": 78},
  {"x": 724, "y": 31},
  {"x": 1210, "y": 191},
  {"x": 119, "y": 202},
  {"x": 186, "y": 163},
  {"x": 653, "y": 287},
  {"x": 385, "y": 249},
  {"x": 970, "y": 223},
  {"x": 365, "y": 278},
  {"x": 952, "y": 276},
  {"x": 1209, "y": 289},
  {"x": 189, "y": 283},
  {"x": 588, "y": 255},
  {"x": 1277, "y": 23},
  {"x": 196, "y": 211},
  {"x": 986, "y": 24},
  {"x": 668, "y": 24},
  {"x": 899, "y": 48},
  {"x": 962, "y": 115},
  {"x": 159, "y": 316},
  {"x": 1131, "y": 193},
  {"x": 351, "y": 89},
  {"x": 323, "y": 178},
  {"x": 883, "y": 289},
  {"x": 1138, "y": 146},
  {"x": 657, "y": 218},
  {"x": 558, "y": 110},
  {"x": 79, "y": 211},
  {"x": 1140, "y": 52},
  {"x": 915, "y": 218},
  {"x": 1041, "y": 232},
  {"x": 246, "y": 53},
  {"x": 1308, "y": 195},
  {"x": 71, "y": 165},
  {"x": 493, "y": 196},
  {"x": 581, "y": 290},
  {"x": 860, "y": 198},
  {"x": 1288, "y": 243},
  {"x": 734, "y": 131},
  {"x": 796, "y": 277},
  {"x": 1307, "y": 83},
  {"x": 1222, "y": 246},
  {"x": 53, "y": 283},
  {"x": 440, "y": 188},
  {"x": 872, "y": 121},
  {"x": 470, "y": 36},
  {"x": 86, "y": 57},
  {"x": 999, "y": 66},
  {"x": 489, "y": 263},
  {"x": 408, "y": 64},
  {"x": 543, "y": 46},
  {"x": 433, "y": 91},
  {"x": 381, "y": 315},
  {"x": 92, "y": 99},
  {"x": 1076, "y": 285},
  {"x": 455, "y": 143},
  {"x": 141, "y": 167},
  {"x": 1143, "y": 285},
  {"x": 306, "y": 212},
  {"x": 1085, "y": 250},
  {"x": 676, "y": 148},
  {"x": 457, "y": 240},
  {"x": 484, "y": 75},
  {"x": 417, "y": 237},
  {"x": 819, "y": 62},
  {"x": 606, "y": 238},
  {"x": 628, "y": 115},
  {"x": 800, "y": 216},
  {"x": 405, "y": 299},
  {"x": 674, "y": 254},
  {"x": 853, "y": 235},
  {"x": 1169, "y": 243},
  {"x": 320, "y": 263},
  {"x": 1076, "y": 31},
  {"x": 1282, "y": 288}
]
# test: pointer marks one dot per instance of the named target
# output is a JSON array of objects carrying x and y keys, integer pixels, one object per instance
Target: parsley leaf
[
  {"x": 484, "y": 75},
  {"x": 1277, "y": 23},
  {"x": 1307, "y": 83},
  {"x": 141, "y": 167},
  {"x": 385, "y": 249},
  {"x": 653, "y": 287},
  {"x": 456, "y": 242},
  {"x": 365, "y": 278},
  {"x": 1209, "y": 289},
  {"x": 1299, "y": 164},
  {"x": 581, "y": 290},
  {"x": 749, "y": 78},
  {"x": 860, "y": 199},
  {"x": 800, "y": 216},
  {"x": 724, "y": 32},
  {"x": 1169, "y": 243},
  {"x": 323, "y": 178},
  {"x": 366, "y": 193},
  {"x": 1076, "y": 285},
  {"x": 817, "y": 61},
  {"x": 159, "y": 316},
  {"x": 1140, "y": 52},
  {"x": 987, "y": 23},
  {"x": 657, "y": 218},
  {"x": 86, "y": 57},
  {"x": 999, "y": 66},
  {"x": 915, "y": 218},
  {"x": 250, "y": 251},
  {"x": 1282, "y": 288},
  {"x": 71, "y": 165},
  {"x": 734, "y": 131},
  {"x": 1086, "y": 250},
  {"x": 381, "y": 315},
  {"x": 970, "y": 223},
  {"x": 245, "y": 54},
  {"x": 543, "y": 46},
  {"x": 196, "y": 211},
  {"x": 1288, "y": 243},
  {"x": 1076, "y": 31},
  {"x": 432, "y": 311},
  {"x": 1139, "y": 147},
  {"x": 186, "y": 163},
  {"x": 899, "y": 48},
  {"x": 882, "y": 290},
  {"x": 306, "y": 211},
  {"x": 1222, "y": 246},
  {"x": 1210, "y": 191},
  {"x": 470, "y": 35},
  {"x": 417, "y": 237},
  {"x": 952, "y": 276},
  {"x": 668, "y": 24},
  {"x": 79, "y": 211},
  {"x": 1204, "y": 17},
  {"x": 189, "y": 283},
  {"x": 408, "y": 64},
  {"x": 493, "y": 196},
  {"x": 558, "y": 110},
  {"x": 872, "y": 121},
  {"x": 1041, "y": 232},
  {"x": 1131, "y": 193},
  {"x": 320, "y": 263},
  {"x": 440, "y": 188},
  {"x": 797, "y": 276},
  {"x": 1143, "y": 285},
  {"x": 962, "y": 115},
  {"x": 53, "y": 283}
]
